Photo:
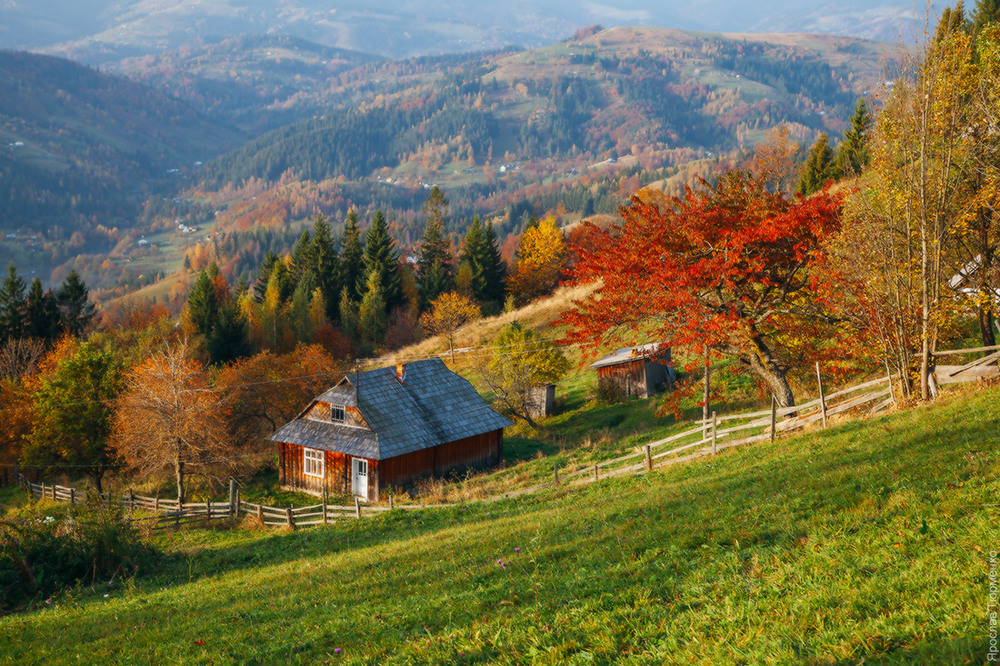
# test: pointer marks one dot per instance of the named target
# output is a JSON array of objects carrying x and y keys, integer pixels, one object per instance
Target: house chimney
[{"x": 401, "y": 372}]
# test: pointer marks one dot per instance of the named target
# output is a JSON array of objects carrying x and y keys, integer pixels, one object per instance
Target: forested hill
[
  {"x": 254, "y": 82},
  {"x": 76, "y": 142},
  {"x": 663, "y": 96}
]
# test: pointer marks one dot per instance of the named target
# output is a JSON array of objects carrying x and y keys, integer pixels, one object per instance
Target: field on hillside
[{"x": 867, "y": 542}]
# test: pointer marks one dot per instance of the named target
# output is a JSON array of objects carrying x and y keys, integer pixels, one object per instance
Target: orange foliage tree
[
  {"x": 729, "y": 267},
  {"x": 266, "y": 391},
  {"x": 170, "y": 418}
]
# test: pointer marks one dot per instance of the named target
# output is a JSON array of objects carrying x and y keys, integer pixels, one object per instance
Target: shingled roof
[
  {"x": 627, "y": 354},
  {"x": 432, "y": 406}
]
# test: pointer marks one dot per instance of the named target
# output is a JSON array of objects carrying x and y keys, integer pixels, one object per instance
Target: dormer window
[{"x": 337, "y": 413}]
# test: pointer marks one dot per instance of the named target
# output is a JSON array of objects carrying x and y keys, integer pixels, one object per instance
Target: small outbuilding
[
  {"x": 388, "y": 427},
  {"x": 637, "y": 371}
]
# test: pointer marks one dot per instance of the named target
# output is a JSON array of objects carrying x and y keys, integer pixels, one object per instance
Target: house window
[
  {"x": 313, "y": 463},
  {"x": 337, "y": 413}
]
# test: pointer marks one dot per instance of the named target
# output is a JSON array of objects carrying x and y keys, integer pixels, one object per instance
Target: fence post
[
  {"x": 595, "y": 472},
  {"x": 290, "y": 517},
  {"x": 43, "y": 490},
  {"x": 232, "y": 497},
  {"x": 822, "y": 398},
  {"x": 357, "y": 507},
  {"x": 72, "y": 495},
  {"x": 714, "y": 428},
  {"x": 774, "y": 416},
  {"x": 649, "y": 459},
  {"x": 260, "y": 513},
  {"x": 392, "y": 502},
  {"x": 236, "y": 513},
  {"x": 892, "y": 392},
  {"x": 208, "y": 508},
  {"x": 156, "y": 504},
  {"x": 555, "y": 471},
  {"x": 131, "y": 501},
  {"x": 704, "y": 409}
]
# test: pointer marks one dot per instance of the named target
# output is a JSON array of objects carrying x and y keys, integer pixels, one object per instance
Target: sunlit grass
[{"x": 865, "y": 542}]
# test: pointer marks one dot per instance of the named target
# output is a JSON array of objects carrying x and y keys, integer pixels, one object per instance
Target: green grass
[{"x": 867, "y": 542}]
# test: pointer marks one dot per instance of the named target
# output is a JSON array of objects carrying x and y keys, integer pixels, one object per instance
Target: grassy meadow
[{"x": 865, "y": 543}]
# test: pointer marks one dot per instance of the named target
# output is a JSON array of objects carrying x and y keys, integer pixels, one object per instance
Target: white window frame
[
  {"x": 342, "y": 409},
  {"x": 313, "y": 463}
]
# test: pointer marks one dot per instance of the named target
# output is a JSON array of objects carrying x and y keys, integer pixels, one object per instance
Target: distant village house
[{"x": 386, "y": 428}]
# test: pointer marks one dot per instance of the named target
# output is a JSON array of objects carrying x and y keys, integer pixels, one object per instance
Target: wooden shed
[
  {"x": 638, "y": 371},
  {"x": 388, "y": 427}
]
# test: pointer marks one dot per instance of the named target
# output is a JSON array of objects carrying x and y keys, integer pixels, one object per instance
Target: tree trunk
[
  {"x": 766, "y": 366},
  {"x": 179, "y": 468}
]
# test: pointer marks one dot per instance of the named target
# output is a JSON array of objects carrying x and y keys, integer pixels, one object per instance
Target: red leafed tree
[{"x": 730, "y": 266}]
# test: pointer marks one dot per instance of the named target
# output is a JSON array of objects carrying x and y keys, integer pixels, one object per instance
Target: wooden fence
[
  {"x": 707, "y": 438},
  {"x": 163, "y": 513},
  {"x": 986, "y": 367}
]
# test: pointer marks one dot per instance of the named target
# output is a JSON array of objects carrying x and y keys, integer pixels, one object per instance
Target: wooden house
[
  {"x": 388, "y": 427},
  {"x": 638, "y": 371}
]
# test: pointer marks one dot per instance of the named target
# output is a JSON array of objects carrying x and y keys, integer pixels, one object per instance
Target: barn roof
[
  {"x": 627, "y": 354},
  {"x": 432, "y": 406}
]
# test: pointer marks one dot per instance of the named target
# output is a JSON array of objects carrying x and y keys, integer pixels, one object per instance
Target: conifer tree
[
  {"x": 230, "y": 336},
  {"x": 381, "y": 258},
  {"x": 352, "y": 263},
  {"x": 372, "y": 318},
  {"x": 434, "y": 270},
  {"x": 487, "y": 270},
  {"x": 348, "y": 313},
  {"x": 325, "y": 265},
  {"x": 852, "y": 155},
  {"x": 76, "y": 310},
  {"x": 987, "y": 11},
  {"x": 202, "y": 304},
  {"x": 260, "y": 287},
  {"x": 302, "y": 259},
  {"x": 818, "y": 168},
  {"x": 13, "y": 303},
  {"x": 42, "y": 313}
]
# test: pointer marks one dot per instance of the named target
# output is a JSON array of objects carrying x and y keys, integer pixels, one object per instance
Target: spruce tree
[
  {"x": 302, "y": 259},
  {"x": 42, "y": 313},
  {"x": 372, "y": 318},
  {"x": 852, "y": 155},
  {"x": 76, "y": 310},
  {"x": 13, "y": 304},
  {"x": 260, "y": 287},
  {"x": 494, "y": 268},
  {"x": 434, "y": 270},
  {"x": 352, "y": 262},
  {"x": 230, "y": 336},
  {"x": 818, "y": 168},
  {"x": 987, "y": 11},
  {"x": 488, "y": 270},
  {"x": 203, "y": 304},
  {"x": 325, "y": 265},
  {"x": 381, "y": 258}
]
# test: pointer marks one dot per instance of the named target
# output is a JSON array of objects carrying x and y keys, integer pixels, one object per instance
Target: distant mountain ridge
[{"x": 99, "y": 31}]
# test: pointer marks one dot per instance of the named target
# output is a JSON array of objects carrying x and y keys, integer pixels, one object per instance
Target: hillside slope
[{"x": 865, "y": 542}]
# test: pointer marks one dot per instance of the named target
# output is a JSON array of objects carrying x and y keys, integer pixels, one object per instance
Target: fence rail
[{"x": 706, "y": 438}]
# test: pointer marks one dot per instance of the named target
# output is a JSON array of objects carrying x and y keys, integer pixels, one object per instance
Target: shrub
[
  {"x": 609, "y": 392},
  {"x": 44, "y": 554}
]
